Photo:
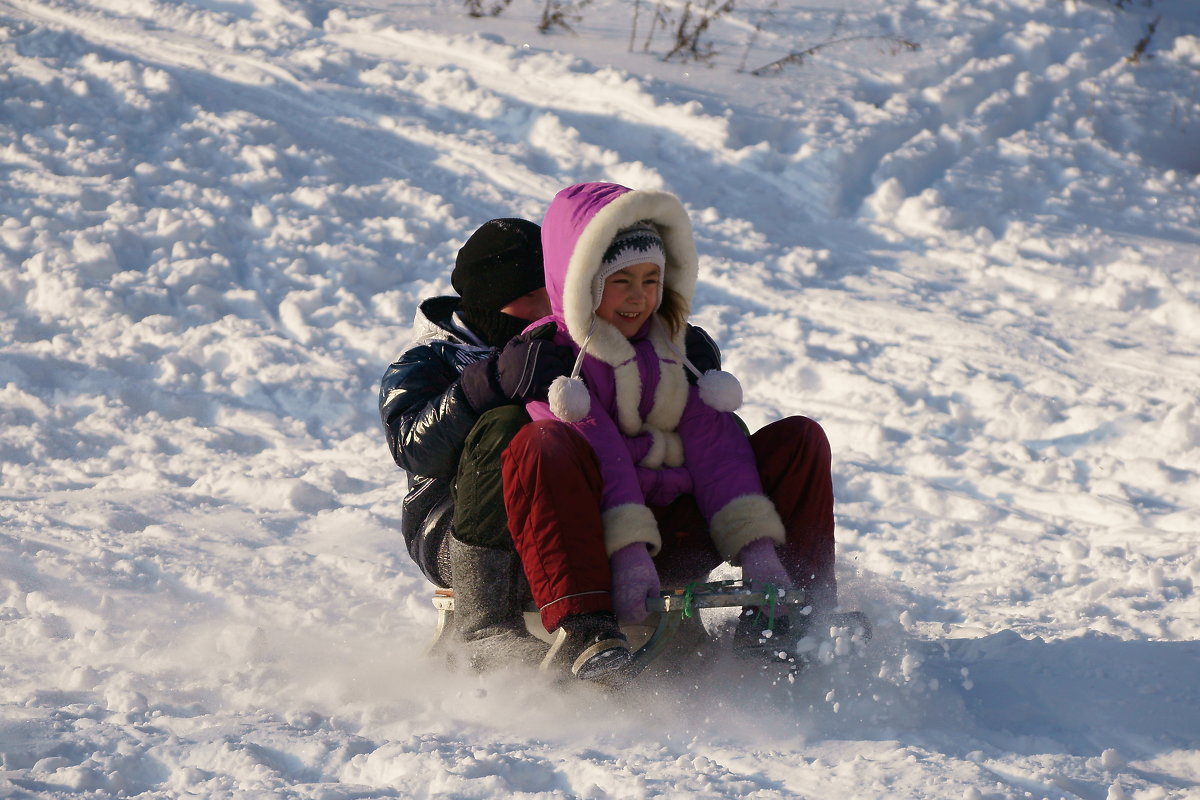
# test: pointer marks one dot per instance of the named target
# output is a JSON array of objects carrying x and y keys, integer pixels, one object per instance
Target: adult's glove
[
  {"x": 529, "y": 363},
  {"x": 634, "y": 581},
  {"x": 522, "y": 370}
]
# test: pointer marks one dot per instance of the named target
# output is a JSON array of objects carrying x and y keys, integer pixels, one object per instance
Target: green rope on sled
[
  {"x": 689, "y": 597},
  {"x": 772, "y": 595},
  {"x": 689, "y": 594}
]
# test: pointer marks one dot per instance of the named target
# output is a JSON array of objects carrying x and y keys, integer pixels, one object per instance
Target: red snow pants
[{"x": 552, "y": 491}]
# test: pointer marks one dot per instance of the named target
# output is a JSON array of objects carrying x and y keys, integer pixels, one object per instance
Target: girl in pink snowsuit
[{"x": 630, "y": 476}]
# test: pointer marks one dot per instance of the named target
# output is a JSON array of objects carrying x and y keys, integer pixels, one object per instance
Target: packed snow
[{"x": 963, "y": 235}]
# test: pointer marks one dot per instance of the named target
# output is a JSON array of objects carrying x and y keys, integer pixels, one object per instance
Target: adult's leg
[
  {"x": 489, "y": 591},
  {"x": 479, "y": 515},
  {"x": 794, "y": 463},
  {"x": 552, "y": 492}
]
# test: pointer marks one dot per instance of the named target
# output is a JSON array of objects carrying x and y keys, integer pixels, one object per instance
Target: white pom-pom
[
  {"x": 720, "y": 390},
  {"x": 569, "y": 399}
]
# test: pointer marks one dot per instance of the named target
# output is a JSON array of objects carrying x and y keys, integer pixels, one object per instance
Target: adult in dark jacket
[
  {"x": 451, "y": 403},
  {"x": 449, "y": 406}
]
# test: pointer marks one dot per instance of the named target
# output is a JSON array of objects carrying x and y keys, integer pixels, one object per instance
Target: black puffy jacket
[{"x": 426, "y": 418}]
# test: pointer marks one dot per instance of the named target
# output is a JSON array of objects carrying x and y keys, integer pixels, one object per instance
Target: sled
[{"x": 668, "y": 613}]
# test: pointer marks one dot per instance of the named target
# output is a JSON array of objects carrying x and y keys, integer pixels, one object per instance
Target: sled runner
[{"x": 670, "y": 611}]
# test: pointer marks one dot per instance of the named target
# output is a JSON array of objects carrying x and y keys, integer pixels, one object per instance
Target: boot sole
[
  {"x": 596, "y": 660},
  {"x": 600, "y": 659}
]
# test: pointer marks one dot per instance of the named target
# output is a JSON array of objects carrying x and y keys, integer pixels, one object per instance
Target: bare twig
[
  {"x": 561, "y": 13},
  {"x": 680, "y": 32},
  {"x": 637, "y": 7},
  {"x": 477, "y": 8},
  {"x": 1139, "y": 49},
  {"x": 692, "y": 27},
  {"x": 660, "y": 18},
  {"x": 799, "y": 56},
  {"x": 764, "y": 16}
]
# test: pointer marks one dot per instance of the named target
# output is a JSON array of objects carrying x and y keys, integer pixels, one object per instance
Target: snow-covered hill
[{"x": 976, "y": 263}]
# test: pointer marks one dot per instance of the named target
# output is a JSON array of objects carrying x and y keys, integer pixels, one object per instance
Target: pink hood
[{"x": 578, "y": 227}]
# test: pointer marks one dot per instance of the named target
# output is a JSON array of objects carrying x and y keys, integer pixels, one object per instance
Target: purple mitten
[
  {"x": 761, "y": 564},
  {"x": 634, "y": 580}
]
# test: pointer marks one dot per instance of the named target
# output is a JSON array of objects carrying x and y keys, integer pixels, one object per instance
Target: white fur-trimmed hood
[
  {"x": 578, "y": 228},
  {"x": 573, "y": 256}
]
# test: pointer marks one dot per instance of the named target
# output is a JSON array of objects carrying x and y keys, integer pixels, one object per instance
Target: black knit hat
[{"x": 499, "y": 263}]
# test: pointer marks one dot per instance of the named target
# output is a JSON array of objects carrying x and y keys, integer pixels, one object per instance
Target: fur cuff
[
  {"x": 741, "y": 521},
  {"x": 629, "y": 523}
]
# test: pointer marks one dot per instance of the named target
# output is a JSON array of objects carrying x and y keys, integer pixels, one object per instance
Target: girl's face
[{"x": 630, "y": 297}]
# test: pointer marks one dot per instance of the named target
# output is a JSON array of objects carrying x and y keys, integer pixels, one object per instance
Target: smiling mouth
[{"x": 629, "y": 314}]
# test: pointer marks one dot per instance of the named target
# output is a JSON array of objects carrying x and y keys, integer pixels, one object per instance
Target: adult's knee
[
  {"x": 494, "y": 430},
  {"x": 479, "y": 516},
  {"x": 799, "y": 434}
]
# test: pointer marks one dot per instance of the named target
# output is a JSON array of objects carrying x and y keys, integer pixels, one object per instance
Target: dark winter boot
[
  {"x": 488, "y": 601},
  {"x": 758, "y": 636},
  {"x": 589, "y": 646}
]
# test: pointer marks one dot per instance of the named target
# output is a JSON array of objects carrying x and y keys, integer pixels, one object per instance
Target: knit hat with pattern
[{"x": 637, "y": 244}]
